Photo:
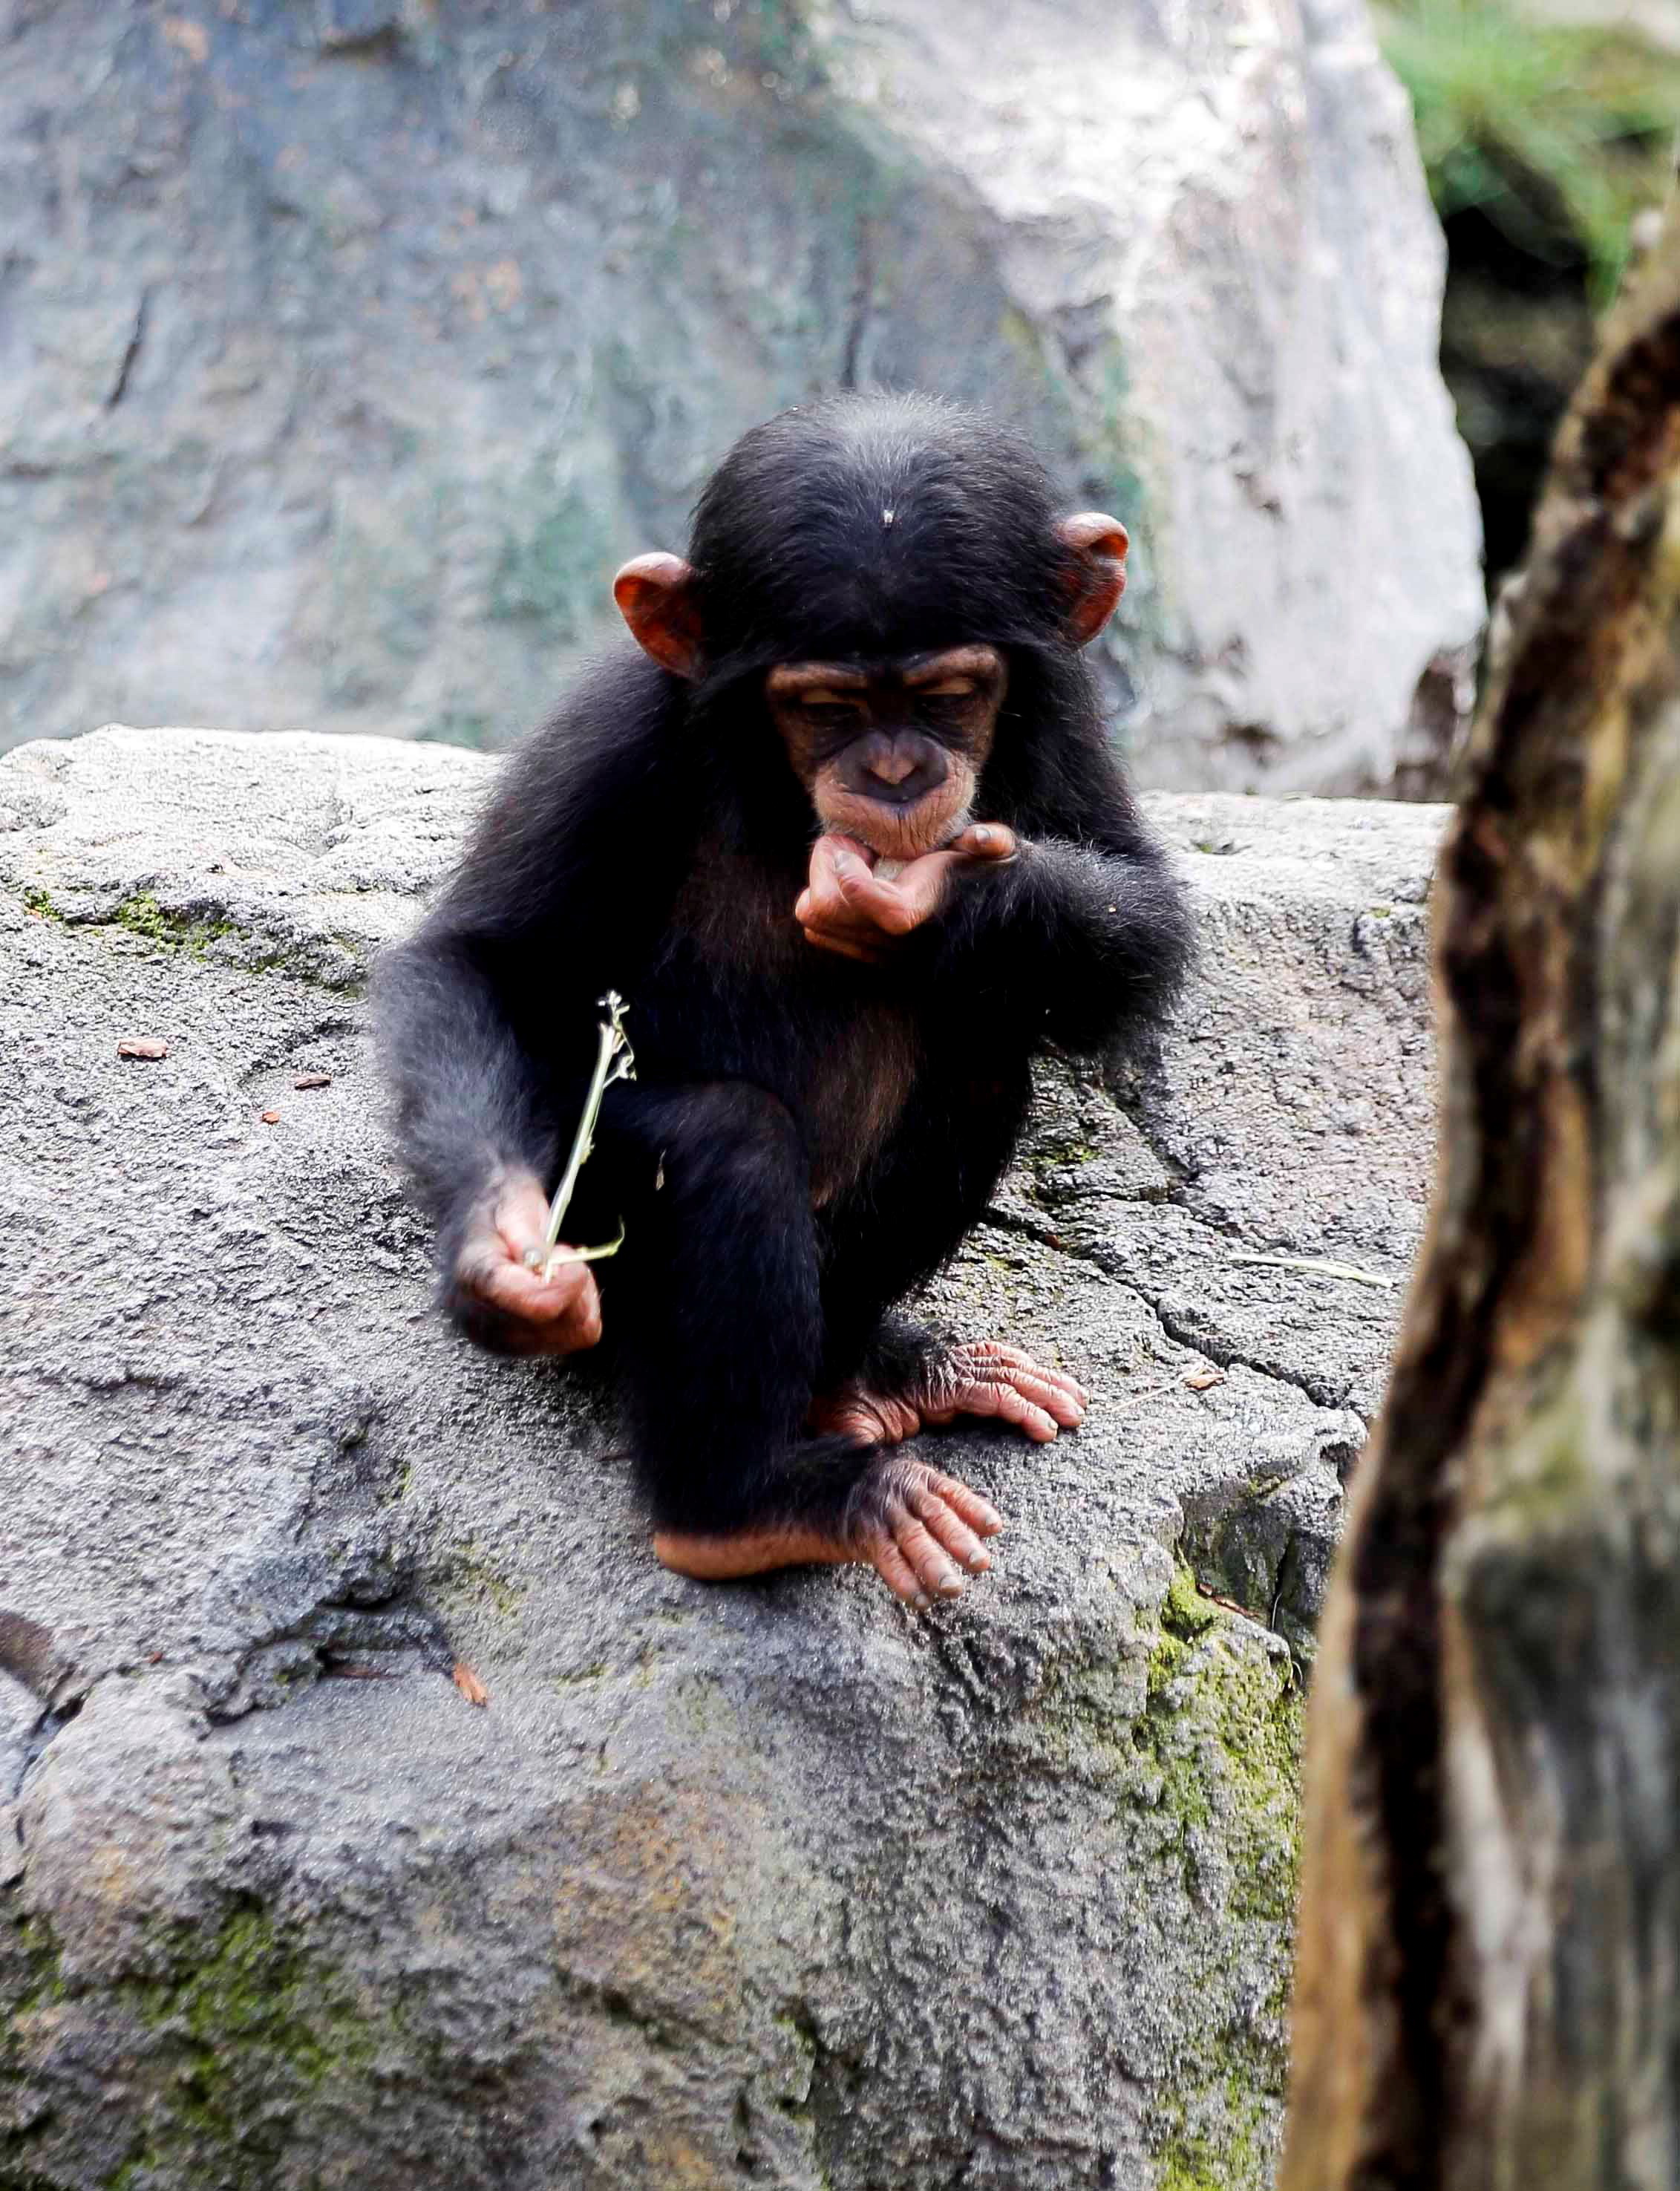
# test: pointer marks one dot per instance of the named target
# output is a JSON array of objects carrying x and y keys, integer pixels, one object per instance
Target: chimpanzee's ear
[
  {"x": 656, "y": 597},
  {"x": 1096, "y": 545}
]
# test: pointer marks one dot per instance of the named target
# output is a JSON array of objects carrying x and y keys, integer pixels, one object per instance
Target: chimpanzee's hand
[
  {"x": 497, "y": 1300},
  {"x": 846, "y": 908}
]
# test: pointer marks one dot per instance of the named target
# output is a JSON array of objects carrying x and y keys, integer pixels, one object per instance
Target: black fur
[{"x": 733, "y": 1300}]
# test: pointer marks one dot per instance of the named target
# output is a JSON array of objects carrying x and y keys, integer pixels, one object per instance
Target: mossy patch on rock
[{"x": 243, "y": 2029}]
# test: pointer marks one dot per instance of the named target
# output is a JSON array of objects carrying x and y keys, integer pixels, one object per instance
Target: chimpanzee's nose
[
  {"x": 897, "y": 767},
  {"x": 890, "y": 762}
]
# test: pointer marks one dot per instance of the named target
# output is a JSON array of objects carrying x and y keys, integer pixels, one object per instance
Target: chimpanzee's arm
[
  {"x": 487, "y": 1017},
  {"x": 1099, "y": 939}
]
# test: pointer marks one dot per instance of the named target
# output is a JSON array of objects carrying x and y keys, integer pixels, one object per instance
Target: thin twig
[{"x": 616, "y": 1060}]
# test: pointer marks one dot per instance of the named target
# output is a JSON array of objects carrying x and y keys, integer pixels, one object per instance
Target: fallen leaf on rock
[
  {"x": 142, "y": 1045},
  {"x": 271, "y": 1118},
  {"x": 1203, "y": 1380},
  {"x": 468, "y": 1683},
  {"x": 313, "y": 1080}
]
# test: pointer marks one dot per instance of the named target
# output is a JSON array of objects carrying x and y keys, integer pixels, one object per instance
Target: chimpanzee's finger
[
  {"x": 943, "y": 1522},
  {"x": 895, "y": 907},
  {"x": 825, "y": 909},
  {"x": 937, "y": 1572},
  {"x": 570, "y": 1299},
  {"x": 923, "y": 885},
  {"x": 993, "y": 1360},
  {"x": 980, "y": 1514},
  {"x": 521, "y": 1217},
  {"x": 827, "y": 903},
  {"x": 896, "y": 1572},
  {"x": 985, "y": 841}
]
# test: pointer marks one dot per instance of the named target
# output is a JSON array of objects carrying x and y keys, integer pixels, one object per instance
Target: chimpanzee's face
[{"x": 891, "y": 754}]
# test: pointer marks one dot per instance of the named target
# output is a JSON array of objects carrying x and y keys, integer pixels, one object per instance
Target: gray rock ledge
[{"x": 771, "y": 1885}]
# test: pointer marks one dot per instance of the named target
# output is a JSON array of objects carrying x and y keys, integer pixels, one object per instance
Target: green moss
[
  {"x": 176, "y": 931},
  {"x": 1237, "y": 2153},
  {"x": 469, "y": 1575},
  {"x": 244, "y": 2028},
  {"x": 255, "y": 1988},
  {"x": 1200, "y": 1744},
  {"x": 1056, "y": 1156},
  {"x": 1185, "y": 1612},
  {"x": 166, "y": 930},
  {"x": 1221, "y": 1738},
  {"x": 31, "y": 1982},
  {"x": 596, "y": 1670}
]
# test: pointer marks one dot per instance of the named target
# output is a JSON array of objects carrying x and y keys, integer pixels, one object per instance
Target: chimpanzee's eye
[
  {"x": 832, "y": 712},
  {"x": 945, "y": 704}
]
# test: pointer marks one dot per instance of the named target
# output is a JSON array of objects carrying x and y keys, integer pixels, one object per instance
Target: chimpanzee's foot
[
  {"x": 985, "y": 1379},
  {"x": 917, "y": 1529}
]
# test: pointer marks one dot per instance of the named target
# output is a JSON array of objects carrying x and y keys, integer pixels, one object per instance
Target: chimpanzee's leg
[
  {"x": 712, "y": 1307},
  {"x": 714, "y": 1313},
  {"x": 883, "y": 1377}
]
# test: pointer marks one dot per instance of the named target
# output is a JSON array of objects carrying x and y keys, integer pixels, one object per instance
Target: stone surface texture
[
  {"x": 346, "y": 347},
  {"x": 772, "y": 1884}
]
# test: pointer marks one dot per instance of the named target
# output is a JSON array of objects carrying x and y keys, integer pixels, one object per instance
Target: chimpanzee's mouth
[{"x": 898, "y": 831}]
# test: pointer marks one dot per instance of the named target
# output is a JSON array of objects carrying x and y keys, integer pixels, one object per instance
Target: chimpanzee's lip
[
  {"x": 887, "y": 842},
  {"x": 891, "y": 796}
]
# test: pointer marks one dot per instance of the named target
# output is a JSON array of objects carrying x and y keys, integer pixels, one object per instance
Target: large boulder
[
  {"x": 348, "y": 346},
  {"x": 775, "y": 1883}
]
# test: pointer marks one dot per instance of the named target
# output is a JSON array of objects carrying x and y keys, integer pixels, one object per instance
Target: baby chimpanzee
[{"x": 845, "y": 831}]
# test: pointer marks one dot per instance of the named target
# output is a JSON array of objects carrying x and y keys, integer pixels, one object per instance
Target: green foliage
[{"x": 1560, "y": 133}]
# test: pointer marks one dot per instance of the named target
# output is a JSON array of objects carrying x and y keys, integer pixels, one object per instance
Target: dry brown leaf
[
  {"x": 142, "y": 1045},
  {"x": 313, "y": 1080},
  {"x": 468, "y": 1683},
  {"x": 1203, "y": 1380},
  {"x": 271, "y": 1118}
]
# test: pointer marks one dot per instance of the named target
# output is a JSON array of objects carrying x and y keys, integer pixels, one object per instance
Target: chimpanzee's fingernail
[
  {"x": 950, "y": 1585},
  {"x": 921, "y": 1601},
  {"x": 983, "y": 836},
  {"x": 531, "y": 1259},
  {"x": 978, "y": 1562}
]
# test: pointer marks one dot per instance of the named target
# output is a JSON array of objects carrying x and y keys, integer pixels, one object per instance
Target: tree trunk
[{"x": 1487, "y": 1992}]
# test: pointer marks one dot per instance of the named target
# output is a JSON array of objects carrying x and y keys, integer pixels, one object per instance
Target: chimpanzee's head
[{"x": 875, "y": 568}]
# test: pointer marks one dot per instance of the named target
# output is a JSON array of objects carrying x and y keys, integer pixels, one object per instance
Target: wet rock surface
[{"x": 774, "y": 1883}]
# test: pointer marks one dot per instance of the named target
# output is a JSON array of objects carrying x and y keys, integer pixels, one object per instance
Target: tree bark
[{"x": 1487, "y": 1991}]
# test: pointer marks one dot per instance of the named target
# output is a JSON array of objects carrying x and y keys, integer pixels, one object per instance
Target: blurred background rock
[{"x": 347, "y": 345}]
